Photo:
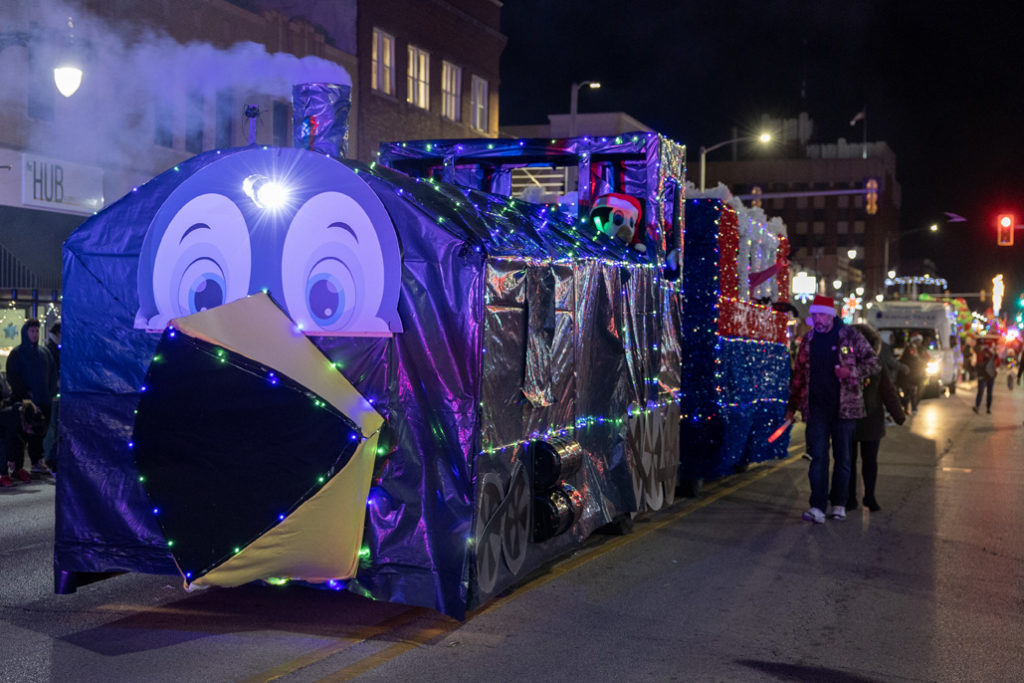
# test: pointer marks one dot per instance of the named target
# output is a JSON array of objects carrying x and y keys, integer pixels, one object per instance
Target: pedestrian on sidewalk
[
  {"x": 826, "y": 387},
  {"x": 988, "y": 362},
  {"x": 915, "y": 358},
  {"x": 33, "y": 376},
  {"x": 1020, "y": 365},
  {"x": 17, "y": 421},
  {"x": 880, "y": 395}
]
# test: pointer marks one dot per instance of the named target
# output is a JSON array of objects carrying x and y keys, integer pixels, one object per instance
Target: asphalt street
[{"x": 729, "y": 586}]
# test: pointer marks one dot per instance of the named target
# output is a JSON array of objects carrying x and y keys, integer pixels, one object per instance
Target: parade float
[
  {"x": 734, "y": 345},
  {"x": 393, "y": 379}
]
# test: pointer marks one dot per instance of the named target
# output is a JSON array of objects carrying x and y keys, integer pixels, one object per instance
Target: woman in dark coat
[{"x": 879, "y": 395}]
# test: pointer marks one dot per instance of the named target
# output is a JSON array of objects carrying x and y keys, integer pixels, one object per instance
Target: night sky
[{"x": 943, "y": 83}]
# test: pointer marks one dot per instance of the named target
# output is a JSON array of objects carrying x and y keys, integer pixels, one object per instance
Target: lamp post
[
  {"x": 934, "y": 227},
  {"x": 66, "y": 76},
  {"x": 763, "y": 138},
  {"x": 574, "y": 96}
]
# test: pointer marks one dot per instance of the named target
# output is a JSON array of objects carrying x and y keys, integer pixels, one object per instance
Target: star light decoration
[{"x": 851, "y": 305}]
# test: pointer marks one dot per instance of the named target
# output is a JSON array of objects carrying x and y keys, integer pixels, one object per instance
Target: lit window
[
  {"x": 479, "y": 104},
  {"x": 225, "y": 131},
  {"x": 163, "y": 120},
  {"x": 418, "y": 80},
  {"x": 194, "y": 124},
  {"x": 382, "y": 60},
  {"x": 282, "y": 125},
  {"x": 451, "y": 91}
]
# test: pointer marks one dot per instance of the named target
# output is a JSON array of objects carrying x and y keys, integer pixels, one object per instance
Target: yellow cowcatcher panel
[
  {"x": 257, "y": 328},
  {"x": 318, "y": 542},
  {"x": 321, "y": 539}
]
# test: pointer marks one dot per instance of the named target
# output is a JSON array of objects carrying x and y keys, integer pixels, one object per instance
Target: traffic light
[
  {"x": 872, "y": 196},
  {"x": 1005, "y": 224}
]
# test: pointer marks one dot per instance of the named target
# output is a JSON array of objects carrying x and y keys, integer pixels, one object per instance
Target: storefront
[{"x": 42, "y": 200}]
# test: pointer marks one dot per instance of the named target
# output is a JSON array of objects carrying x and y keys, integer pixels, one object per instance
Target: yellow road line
[
  {"x": 360, "y": 636},
  {"x": 371, "y": 662},
  {"x": 560, "y": 569}
]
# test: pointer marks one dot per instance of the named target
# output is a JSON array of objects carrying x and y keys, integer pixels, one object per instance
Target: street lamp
[
  {"x": 896, "y": 238},
  {"x": 574, "y": 96},
  {"x": 762, "y": 138},
  {"x": 66, "y": 76}
]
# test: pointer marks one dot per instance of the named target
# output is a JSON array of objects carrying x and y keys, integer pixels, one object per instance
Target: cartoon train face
[{"x": 290, "y": 222}]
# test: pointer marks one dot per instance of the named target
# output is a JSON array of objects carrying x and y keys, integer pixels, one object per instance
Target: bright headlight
[
  {"x": 932, "y": 368},
  {"x": 266, "y": 193}
]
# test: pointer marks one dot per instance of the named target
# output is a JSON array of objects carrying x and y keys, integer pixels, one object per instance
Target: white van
[{"x": 898, "y": 321}]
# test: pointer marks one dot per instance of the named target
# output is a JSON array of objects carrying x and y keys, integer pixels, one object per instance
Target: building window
[
  {"x": 451, "y": 91},
  {"x": 163, "y": 120},
  {"x": 844, "y": 201},
  {"x": 801, "y": 227},
  {"x": 778, "y": 203},
  {"x": 843, "y": 227},
  {"x": 418, "y": 79},
  {"x": 194, "y": 125},
  {"x": 858, "y": 227},
  {"x": 225, "y": 119},
  {"x": 479, "y": 104},
  {"x": 382, "y": 60},
  {"x": 801, "y": 202},
  {"x": 818, "y": 227},
  {"x": 40, "y": 92},
  {"x": 819, "y": 202},
  {"x": 282, "y": 125}
]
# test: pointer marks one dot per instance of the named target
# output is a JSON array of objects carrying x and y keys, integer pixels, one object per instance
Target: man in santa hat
[{"x": 827, "y": 388}]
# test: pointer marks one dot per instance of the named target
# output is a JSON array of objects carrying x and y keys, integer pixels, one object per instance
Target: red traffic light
[{"x": 1005, "y": 224}]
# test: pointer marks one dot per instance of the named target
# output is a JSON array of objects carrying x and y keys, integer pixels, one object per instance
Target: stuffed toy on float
[{"x": 618, "y": 215}]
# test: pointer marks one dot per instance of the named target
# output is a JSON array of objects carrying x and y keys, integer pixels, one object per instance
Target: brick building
[
  {"x": 824, "y": 206},
  {"x": 428, "y": 69},
  {"x": 419, "y": 69}
]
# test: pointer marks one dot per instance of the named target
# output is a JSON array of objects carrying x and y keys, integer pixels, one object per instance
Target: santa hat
[
  {"x": 823, "y": 304},
  {"x": 614, "y": 200}
]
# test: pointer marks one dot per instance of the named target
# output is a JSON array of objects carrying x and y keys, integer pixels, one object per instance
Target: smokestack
[{"x": 320, "y": 118}]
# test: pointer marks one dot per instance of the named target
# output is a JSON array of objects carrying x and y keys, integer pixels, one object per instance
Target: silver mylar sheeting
[{"x": 592, "y": 346}]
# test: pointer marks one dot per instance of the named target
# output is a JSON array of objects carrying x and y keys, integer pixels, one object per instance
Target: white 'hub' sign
[{"x": 60, "y": 185}]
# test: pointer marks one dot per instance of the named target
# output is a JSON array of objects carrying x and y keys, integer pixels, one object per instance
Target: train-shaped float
[{"x": 396, "y": 379}]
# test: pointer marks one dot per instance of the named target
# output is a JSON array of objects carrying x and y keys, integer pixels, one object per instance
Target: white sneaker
[
  {"x": 814, "y": 515},
  {"x": 838, "y": 512}
]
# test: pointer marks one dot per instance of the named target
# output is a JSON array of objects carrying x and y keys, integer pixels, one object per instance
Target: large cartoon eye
[
  {"x": 618, "y": 217},
  {"x": 204, "y": 258},
  {"x": 330, "y": 292},
  {"x": 332, "y": 268},
  {"x": 201, "y": 287}
]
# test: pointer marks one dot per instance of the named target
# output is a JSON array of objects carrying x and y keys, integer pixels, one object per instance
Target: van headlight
[{"x": 932, "y": 368}]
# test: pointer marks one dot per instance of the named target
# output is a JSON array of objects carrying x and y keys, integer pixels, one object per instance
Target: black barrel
[
  {"x": 554, "y": 460},
  {"x": 555, "y": 511}
]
